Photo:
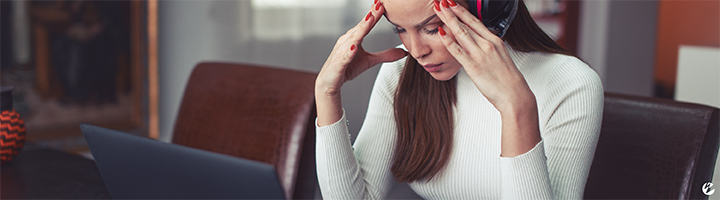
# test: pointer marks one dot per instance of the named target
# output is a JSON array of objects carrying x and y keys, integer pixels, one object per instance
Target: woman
[{"x": 466, "y": 115}]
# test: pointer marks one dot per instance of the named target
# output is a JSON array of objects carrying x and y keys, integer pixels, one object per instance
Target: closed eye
[
  {"x": 432, "y": 32},
  {"x": 397, "y": 30}
]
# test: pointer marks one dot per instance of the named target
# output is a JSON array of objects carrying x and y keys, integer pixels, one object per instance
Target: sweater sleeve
[
  {"x": 361, "y": 171},
  {"x": 570, "y": 116}
]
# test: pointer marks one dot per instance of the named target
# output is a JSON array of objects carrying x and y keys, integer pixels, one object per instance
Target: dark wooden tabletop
[{"x": 44, "y": 173}]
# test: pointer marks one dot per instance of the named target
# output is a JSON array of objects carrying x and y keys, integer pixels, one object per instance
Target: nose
[{"x": 418, "y": 48}]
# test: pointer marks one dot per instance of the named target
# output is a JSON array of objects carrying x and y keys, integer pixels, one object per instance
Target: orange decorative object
[{"x": 12, "y": 128}]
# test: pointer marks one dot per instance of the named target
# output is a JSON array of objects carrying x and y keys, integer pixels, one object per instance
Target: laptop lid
[{"x": 134, "y": 167}]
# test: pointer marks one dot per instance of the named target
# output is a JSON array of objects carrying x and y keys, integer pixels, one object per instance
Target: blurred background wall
[
  {"x": 617, "y": 39},
  {"x": 695, "y": 23},
  {"x": 288, "y": 33}
]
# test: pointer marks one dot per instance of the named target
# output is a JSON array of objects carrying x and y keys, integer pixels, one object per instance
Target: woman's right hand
[{"x": 348, "y": 60}]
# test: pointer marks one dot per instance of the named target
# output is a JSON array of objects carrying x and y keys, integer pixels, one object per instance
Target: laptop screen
[{"x": 136, "y": 167}]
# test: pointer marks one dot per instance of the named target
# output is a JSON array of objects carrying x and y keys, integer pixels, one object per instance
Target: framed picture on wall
[{"x": 74, "y": 62}]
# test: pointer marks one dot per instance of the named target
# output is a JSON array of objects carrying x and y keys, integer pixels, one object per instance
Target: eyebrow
[{"x": 416, "y": 26}]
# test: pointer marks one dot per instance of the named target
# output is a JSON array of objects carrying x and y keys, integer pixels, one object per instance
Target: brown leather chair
[
  {"x": 254, "y": 112},
  {"x": 653, "y": 148}
]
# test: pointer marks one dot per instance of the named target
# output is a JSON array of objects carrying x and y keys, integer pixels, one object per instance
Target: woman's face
[{"x": 417, "y": 25}]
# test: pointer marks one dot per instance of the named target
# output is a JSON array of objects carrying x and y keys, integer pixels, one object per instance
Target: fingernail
[
  {"x": 368, "y": 16},
  {"x": 452, "y": 3},
  {"x": 375, "y": 2},
  {"x": 352, "y": 48},
  {"x": 445, "y": 4},
  {"x": 436, "y": 5},
  {"x": 441, "y": 31},
  {"x": 377, "y": 7}
]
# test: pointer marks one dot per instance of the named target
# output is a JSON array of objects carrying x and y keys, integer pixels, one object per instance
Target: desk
[{"x": 43, "y": 173}]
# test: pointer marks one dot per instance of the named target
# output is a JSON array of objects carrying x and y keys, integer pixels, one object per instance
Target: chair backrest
[
  {"x": 259, "y": 113},
  {"x": 651, "y": 148}
]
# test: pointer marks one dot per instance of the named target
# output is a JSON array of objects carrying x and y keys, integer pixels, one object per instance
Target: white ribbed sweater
[{"x": 570, "y": 100}]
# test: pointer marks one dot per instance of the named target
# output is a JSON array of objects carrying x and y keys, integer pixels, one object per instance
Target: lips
[{"x": 432, "y": 67}]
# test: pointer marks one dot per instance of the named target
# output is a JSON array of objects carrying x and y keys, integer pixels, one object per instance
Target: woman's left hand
[
  {"x": 483, "y": 56},
  {"x": 488, "y": 63}
]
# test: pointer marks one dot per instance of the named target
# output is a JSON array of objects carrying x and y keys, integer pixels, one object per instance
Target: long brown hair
[{"x": 424, "y": 106}]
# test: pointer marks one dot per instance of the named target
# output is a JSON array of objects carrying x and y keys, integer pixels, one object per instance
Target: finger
[
  {"x": 475, "y": 24},
  {"x": 457, "y": 51},
  {"x": 387, "y": 55},
  {"x": 368, "y": 22},
  {"x": 464, "y": 35},
  {"x": 378, "y": 9},
  {"x": 447, "y": 16},
  {"x": 485, "y": 40},
  {"x": 478, "y": 27},
  {"x": 347, "y": 41},
  {"x": 349, "y": 44},
  {"x": 342, "y": 40},
  {"x": 348, "y": 55}
]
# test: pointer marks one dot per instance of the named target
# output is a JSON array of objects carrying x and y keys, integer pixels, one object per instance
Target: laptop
[{"x": 134, "y": 167}]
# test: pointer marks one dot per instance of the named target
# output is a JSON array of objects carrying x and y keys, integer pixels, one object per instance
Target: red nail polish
[
  {"x": 452, "y": 3},
  {"x": 375, "y": 2},
  {"x": 441, "y": 31},
  {"x": 445, "y": 4},
  {"x": 436, "y": 5},
  {"x": 368, "y": 16},
  {"x": 352, "y": 48},
  {"x": 377, "y": 7}
]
